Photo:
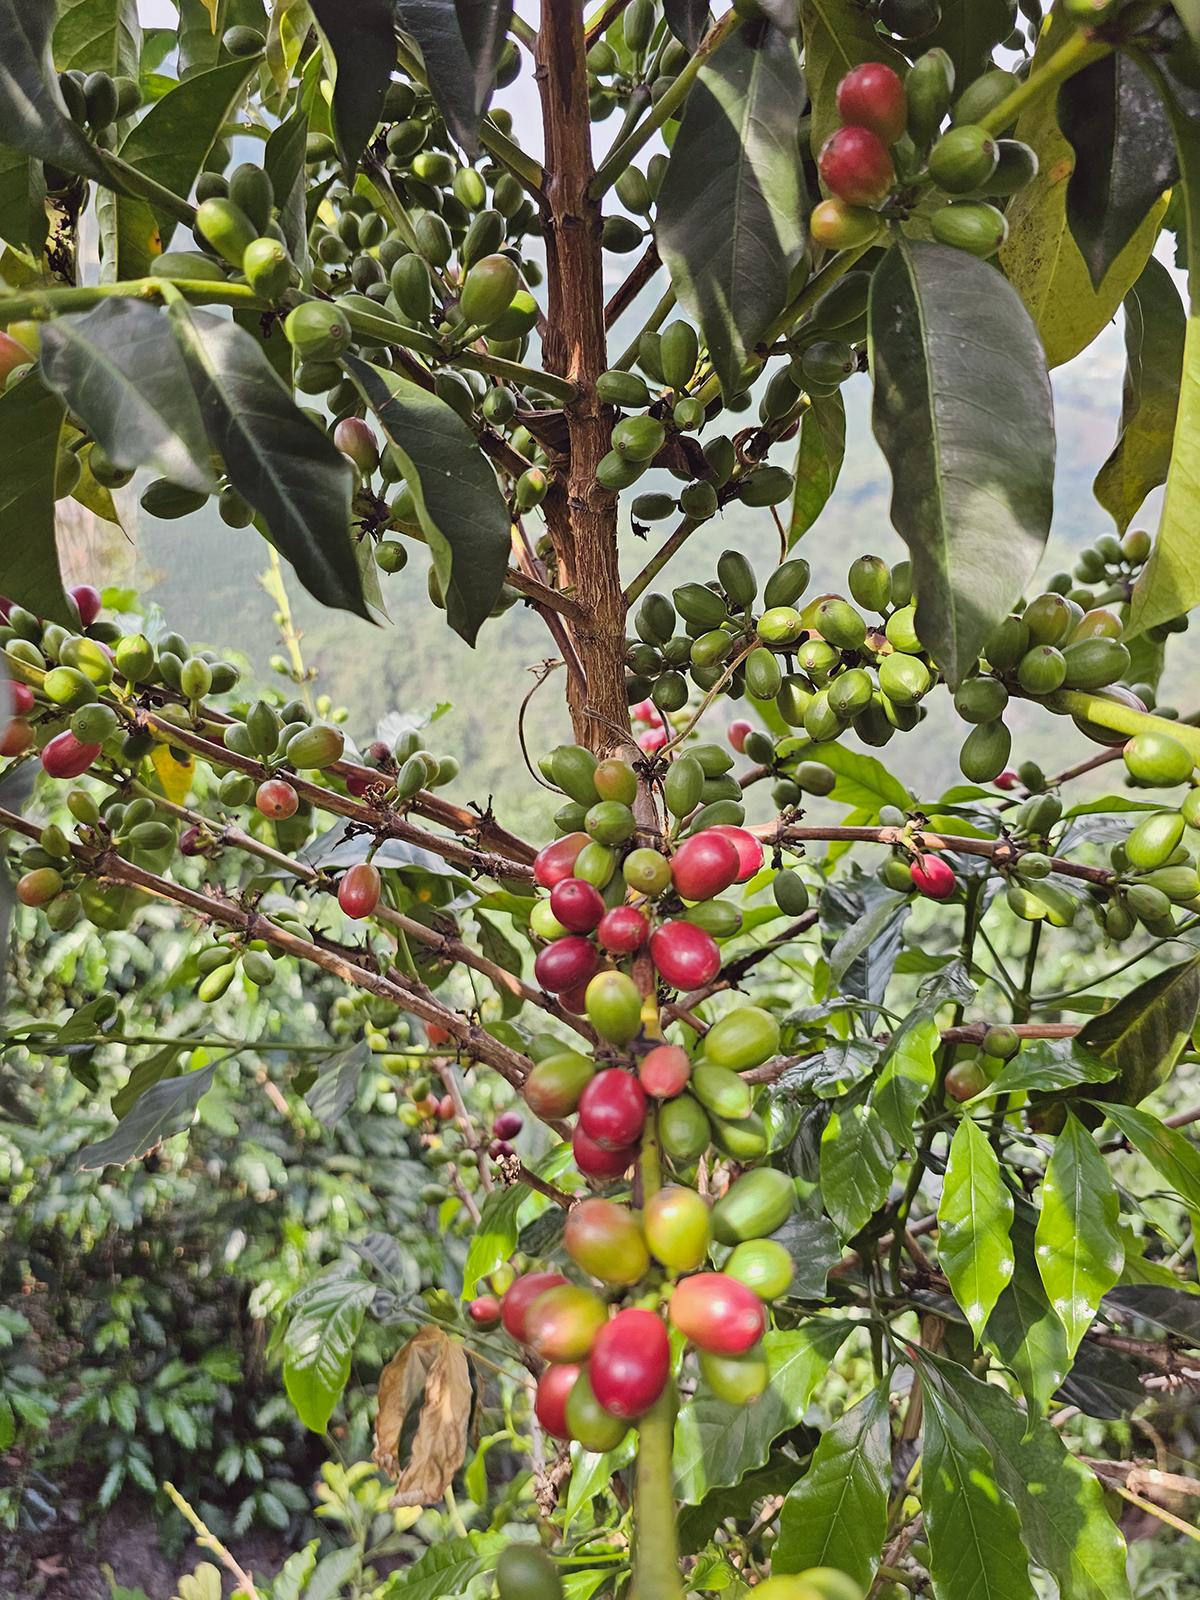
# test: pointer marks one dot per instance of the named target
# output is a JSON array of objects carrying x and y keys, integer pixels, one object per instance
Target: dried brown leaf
[{"x": 431, "y": 1360}]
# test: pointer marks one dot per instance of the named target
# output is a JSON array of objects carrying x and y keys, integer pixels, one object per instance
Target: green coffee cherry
[
  {"x": 787, "y": 583},
  {"x": 849, "y": 693},
  {"x": 169, "y": 501},
  {"x": 765, "y": 486},
  {"x": 250, "y": 187},
  {"x": 488, "y": 290},
  {"x": 985, "y": 752},
  {"x": 267, "y": 268},
  {"x": 1008, "y": 644},
  {"x": 531, "y": 488},
  {"x": 688, "y": 415},
  {"x": 963, "y": 159},
  {"x": 653, "y": 507},
  {"x": 1094, "y": 663},
  {"x": 227, "y": 228},
  {"x": 928, "y": 88},
  {"x": 970, "y": 225},
  {"x": 1041, "y": 670},
  {"x": 840, "y": 625},
  {"x": 980, "y": 699},
  {"x": 623, "y": 389},
  {"x": 699, "y": 501},
  {"x": 904, "y": 679},
  {"x": 1154, "y": 840},
  {"x": 981, "y": 97},
  {"x": 763, "y": 677},
  {"x": 1158, "y": 760},
  {"x": 638, "y": 438},
  {"x": 317, "y": 330}
]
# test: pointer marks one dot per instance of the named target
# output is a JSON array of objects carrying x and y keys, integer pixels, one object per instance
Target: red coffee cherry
[
  {"x": 484, "y": 1312},
  {"x": 856, "y": 166},
  {"x": 622, "y": 930},
  {"x": 665, "y": 1071},
  {"x": 359, "y": 890},
  {"x": 685, "y": 955},
  {"x": 1007, "y": 780},
  {"x": 565, "y": 964},
  {"x": 750, "y": 851},
  {"x": 191, "y": 841},
  {"x": 553, "y": 1392},
  {"x": 355, "y": 439},
  {"x": 966, "y": 1079},
  {"x": 16, "y": 738},
  {"x": 508, "y": 1125},
  {"x": 704, "y": 865},
  {"x": 562, "y": 1324},
  {"x": 446, "y": 1109},
  {"x": 612, "y": 1109},
  {"x": 65, "y": 757},
  {"x": 437, "y": 1035},
  {"x": 498, "y": 1147},
  {"x": 872, "y": 96},
  {"x": 22, "y": 699},
  {"x": 87, "y": 602},
  {"x": 521, "y": 1295},
  {"x": 360, "y": 784},
  {"x": 276, "y": 799},
  {"x": 717, "y": 1313},
  {"x": 934, "y": 878},
  {"x": 557, "y": 860},
  {"x": 631, "y": 1362},
  {"x": 607, "y": 1241},
  {"x": 574, "y": 999},
  {"x": 596, "y": 1162},
  {"x": 577, "y": 904}
]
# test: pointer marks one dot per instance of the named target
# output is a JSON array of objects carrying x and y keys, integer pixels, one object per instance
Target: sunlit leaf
[{"x": 974, "y": 1221}]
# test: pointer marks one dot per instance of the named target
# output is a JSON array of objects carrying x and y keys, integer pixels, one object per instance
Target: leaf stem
[
  {"x": 657, "y": 562},
  {"x": 126, "y": 177},
  {"x": 1123, "y": 719},
  {"x": 652, "y": 323},
  {"x": 618, "y": 159},
  {"x": 42, "y": 303},
  {"x": 1077, "y": 52}
]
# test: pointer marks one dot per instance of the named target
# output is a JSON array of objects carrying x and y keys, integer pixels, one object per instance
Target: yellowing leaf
[
  {"x": 174, "y": 775},
  {"x": 434, "y": 1362},
  {"x": 211, "y": 7}
]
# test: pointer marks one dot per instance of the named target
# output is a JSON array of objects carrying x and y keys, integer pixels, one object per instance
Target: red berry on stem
[
  {"x": 686, "y": 956},
  {"x": 508, "y": 1125},
  {"x": 557, "y": 860},
  {"x": 855, "y": 165},
  {"x": 596, "y": 1162},
  {"x": 484, "y": 1312},
  {"x": 553, "y": 1392},
  {"x": 437, "y": 1035},
  {"x": 1007, "y": 780},
  {"x": 16, "y": 738},
  {"x": 276, "y": 799},
  {"x": 612, "y": 1109},
  {"x": 623, "y": 930},
  {"x": 87, "y": 601},
  {"x": 577, "y": 904},
  {"x": 360, "y": 785},
  {"x": 653, "y": 739},
  {"x": 631, "y": 1361},
  {"x": 446, "y": 1108},
  {"x": 498, "y": 1147},
  {"x": 872, "y": 96},
  {"x": 704, "y": 865},
  {"x": 665, "y": 1071},
  {"x": 22, "y": 699},
  {"x": 718, "y": 1313},
  {"x": 566, "y": 963},
  {"x": 750, "y": 852},
  {"x": 737, "y": 734},
  {"x": 191, "y": 841},
  {"x": 645, "y": 711},
  {"x": 521, "y": 1295},
  {"x": 934, "y": 878},
  {"x": 562, "y": 1324},
  {"x": 574, "y": 999},
  {"x": 65, "y": 757},
  {"x": 358, "y": 892}
]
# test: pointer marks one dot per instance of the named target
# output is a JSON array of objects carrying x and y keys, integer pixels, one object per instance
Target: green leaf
[
  {"x": 8, "y": 1423},
  {"x": 844, "y": 905},
  {"x": 838, "y": 35},
  {"x": 30, "y": 423},
  {"x": 819, "y": 457},
  {"x": 857, "y": 1162},
  {"x": 295, "y": 1573},
  {"x": 716, "y": 1443},
  {"x": 591, "y": 1471},
  {"x": 732, "y": 210},
  {"x": 151, "y": 1069},
  {"x": 165, "y": 1109},
  {"x": 1048, "y": 1065},
  {"x": 1078, "y": 1243},
  {"x": 1172, "y": 1156},
  {"x": 907, "y": 1077},
  {"x": 444, "y": 1569},
  {"x": 836, "y": 1516},
  {"x": 337, "y": 1083},
  {"x": 495, "y": 1235},
  {"x": 1059, "y": 1500},
  {"x": 119, "y": 369},
  {"x": 975, "y": 1216},
  {"x": 462, "y": 512},
  {"x": 278, "y": 460},
  {"x": 461, "y": 44},
  {"x": 862, "y": 781},
  {"x": 283, "y": 162},
  {"x": 1041, "y": 259},
  {"x": 33, "y": 114},
  {"x": 1024, "y": 1331},
  {"x": 697, "y": 1524},
  {"x": 1124, "y": 156},
  {"x": 973, "y": 1529},
  {"x": 1172, "y": 1310},
  {"x": 170, "y": 145},
  {"x": 963, "y": 412},
  {"x": 862, "y": 934},
  {"x": 1144, "y": 1033},
  {"x": 99, "y": 36},
  {"x": 688, "y": 20},
  {"x": 968, "y": 32},
  {"x": 362, "y": 41},
  {"x": 333, "y": 1572},
  {"x": 23, "y": 220},
  {"x": 324, "y": 1321},
  {"x": 1155, "y": 327},
  {"x": 812, "y": 1242},
  {"x": 1169, "y": 584}
]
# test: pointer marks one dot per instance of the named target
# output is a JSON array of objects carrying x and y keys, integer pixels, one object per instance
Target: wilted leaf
[{"x": 437, "y": 1364}]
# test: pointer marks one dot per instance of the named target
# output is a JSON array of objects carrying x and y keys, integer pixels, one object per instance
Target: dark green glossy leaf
[
  {"x": 1172, "y": 1155},
  {"x": 697, "y": 1524},
  {"x": 324, "y": 1321},
  {"x": 975, "y": 1215},
  {"x": 1144, "y": 1033},
  {"x": 963, "y": 412},
  {"x": 875, "y": 922},
  {"x": 1124, "y": 156},
  {"x": 731, "y": 219},
  {"x": 838, "y": 35},
  {"x": 1023, "y": 1331},
  {"x": 462, "y": 43},
  {"x": 462, "y": 511},
  {"x": 279, "y": 461},
  {"x": 717, "y": 1443},
  {"x": 119, "y": 369},
  {"x": 33, "y": 114},
  {"x": 166, "y": 1108},
  {"x": 1155, "y": 327},
  {"x": 30, "y": 423},
  {"x": 1060, "y": 1503},
  {"x": 495, "y": 1235},
  {"x": 170, "y": 144},
  {"x": 844, "y": 906},
  {"x": 688, "y": 20},
  {"x": 1078, "y": 1243},
  {"x": 99, "y": 36},
  {"x": 968, "y": 32},
  {"x": 973, "y": 1529},
  {"x": 1048, "y": 1065},
  {"x": 363, "y": 41},
  {"x": 337, "y": 1083},
  {"x": 1101, "y": 1383},
  {"x": 151, "y": 1069},
  {"x": 836, "y": 1516},
  {"x": 283, "y": 160},
  {"x": 1173, "y": 1310},
  {"x": 858, "y": 1160},
  {"x": 819, "y": 456},
  {"x": 812, "y": 1242},
  {"x": 23, "y": 219}
]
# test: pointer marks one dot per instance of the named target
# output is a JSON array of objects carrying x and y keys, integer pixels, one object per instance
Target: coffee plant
[{"x": 809, "y": 1155}]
